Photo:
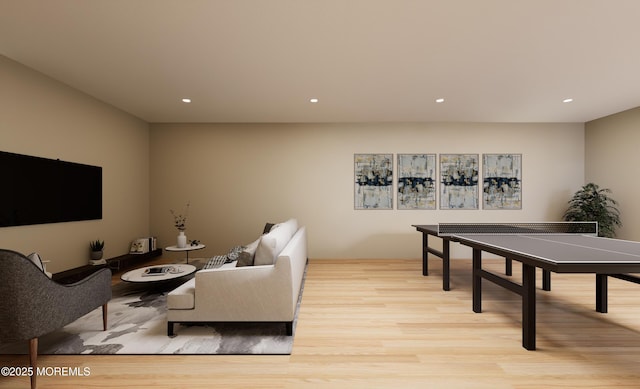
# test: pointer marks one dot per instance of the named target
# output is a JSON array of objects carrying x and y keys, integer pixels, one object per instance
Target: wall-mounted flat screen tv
[{"x": 37, "y": 190}]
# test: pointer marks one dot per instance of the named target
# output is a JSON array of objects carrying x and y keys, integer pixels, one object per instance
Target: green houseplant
[
  {"x": 591, "y": 203},
  {"x": 96, "y": 249}
]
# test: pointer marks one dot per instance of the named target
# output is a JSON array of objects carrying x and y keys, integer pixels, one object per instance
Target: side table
[{"x": 186, "y": 249}]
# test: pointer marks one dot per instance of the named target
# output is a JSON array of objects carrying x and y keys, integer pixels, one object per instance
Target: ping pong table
[
  {"x": 445, "y": 255},
  {"x": 571, "y": 251}
]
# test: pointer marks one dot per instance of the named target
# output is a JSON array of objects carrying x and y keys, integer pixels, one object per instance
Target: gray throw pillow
[
  {"x": 244, "y": 259},
  {"x": 247, "y": 255}
]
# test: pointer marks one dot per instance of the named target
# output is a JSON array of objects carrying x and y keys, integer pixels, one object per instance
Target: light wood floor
[{"x": 381, "y": 324}]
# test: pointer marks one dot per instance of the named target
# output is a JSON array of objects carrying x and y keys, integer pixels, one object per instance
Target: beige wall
[
  {"x": 239, "y": 176},
  {"x": 42, "y": 117},
  {"x": 611, "y": 146}
]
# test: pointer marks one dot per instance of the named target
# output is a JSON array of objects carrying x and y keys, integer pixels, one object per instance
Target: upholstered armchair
[{"x": 31, "y": 304}]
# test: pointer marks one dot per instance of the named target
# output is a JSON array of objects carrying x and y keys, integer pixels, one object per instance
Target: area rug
[{"x": 138, "y": 325}]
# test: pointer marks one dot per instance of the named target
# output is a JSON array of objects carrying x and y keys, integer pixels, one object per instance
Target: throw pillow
[
  {"x": 266, "y": 251},
  {"x": 233, "y": 254},
  {"x": 246, "y": 257},
  {"x": 267, "y": 227},
  {"x": 35, "y": 258},
  {"x": 272, "y": 243}
]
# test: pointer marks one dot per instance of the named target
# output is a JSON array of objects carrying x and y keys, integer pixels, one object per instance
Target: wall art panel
[
  {"x": 502, "y": 181},
  {"x": 416, "y": 181},
  {"x": 459, "y": 181},
  {"x": 373, "y": 181}
]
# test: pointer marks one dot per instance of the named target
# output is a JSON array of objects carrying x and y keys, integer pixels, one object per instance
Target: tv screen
[{"x": 38, "y": 190}]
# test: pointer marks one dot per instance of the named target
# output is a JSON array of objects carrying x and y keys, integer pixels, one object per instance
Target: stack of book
[{"x": 143, "y": 245}]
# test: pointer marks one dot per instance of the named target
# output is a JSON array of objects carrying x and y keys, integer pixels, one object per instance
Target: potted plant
[
  {"x": 591, "y": 203},
  {"x": 96, "y": 251}
]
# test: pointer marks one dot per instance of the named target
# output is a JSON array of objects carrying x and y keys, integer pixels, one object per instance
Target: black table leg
[
  {"x": 508, "y": 267},
  {"x": 546, "y": 280},
  {"x": 477, "y": 280},
  {"x": 528, "y": 307},
  {"x": 602, "y": 282},
  {"x": 527, "y": 290},
  {"x": 444, "y": 255},
  {"x": 425, "y": 254},
  {"x": 446, "y": 265}
]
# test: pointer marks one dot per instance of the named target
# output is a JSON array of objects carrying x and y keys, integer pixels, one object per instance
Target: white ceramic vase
[{"x": 182, "y": 240}]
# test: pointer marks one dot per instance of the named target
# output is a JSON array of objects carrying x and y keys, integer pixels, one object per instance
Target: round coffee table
[{"x": 150, "y": 274}]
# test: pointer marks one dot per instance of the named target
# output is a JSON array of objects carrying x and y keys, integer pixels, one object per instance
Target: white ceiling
[{"x": 366, "y": 60}]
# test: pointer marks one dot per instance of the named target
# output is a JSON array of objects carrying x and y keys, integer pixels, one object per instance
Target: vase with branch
[{"x": 180, "y": 222}]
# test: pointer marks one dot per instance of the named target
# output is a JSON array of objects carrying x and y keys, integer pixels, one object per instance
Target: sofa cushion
[
  {"x": 183, "y": 297},
  {"x": 247, "y": 255},
  {"x": 272, "y": 243},
  {"x": 291, "y": 226}
]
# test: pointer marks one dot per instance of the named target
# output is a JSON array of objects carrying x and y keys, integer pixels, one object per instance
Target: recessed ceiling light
[
  {"x": 567, "y": 100},
  {"x": 186, "y": 100},
  {"x": 440, "y": 100},
  {"x": 313, "y": 100}
]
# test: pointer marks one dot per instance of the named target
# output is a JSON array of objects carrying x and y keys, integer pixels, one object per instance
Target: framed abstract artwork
[
  {"x": 459, "y": 181},
  {"x": 416, "y": 181},
  {"x": 502, "y": 181},
  {"x": 373, "y": 181}
]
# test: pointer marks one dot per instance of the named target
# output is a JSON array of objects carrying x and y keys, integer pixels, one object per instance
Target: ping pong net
[{"x": 548, "y": 228}]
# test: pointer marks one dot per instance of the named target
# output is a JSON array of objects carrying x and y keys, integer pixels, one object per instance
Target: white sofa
[{"x": 263, "y": 292}]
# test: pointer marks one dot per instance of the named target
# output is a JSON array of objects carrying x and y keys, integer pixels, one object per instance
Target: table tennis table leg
[
  {"x": 446, "y": 265},
  {"x": 444, "y": 255},
  {"x": 528, "y": 307},
  {"x": 477, "y": 280},
  {"x": 546, "y": 274},
  {"x": 527, "y": 291},
  {"x": 425, "y": 254},
  {"x": 546, "y": 280},
  {"x": 602, "y": 282}
]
